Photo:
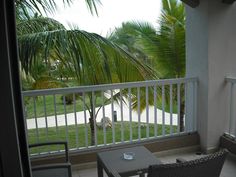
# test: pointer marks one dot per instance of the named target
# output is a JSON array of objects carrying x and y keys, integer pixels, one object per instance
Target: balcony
[
  {"x": 210, "y": 56},
  {"x": 148, "y": 113},
  {"x": 127, "y": 114}
]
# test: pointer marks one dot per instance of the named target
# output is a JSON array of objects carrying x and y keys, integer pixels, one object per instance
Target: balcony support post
[{"x": 211, "y": 53}]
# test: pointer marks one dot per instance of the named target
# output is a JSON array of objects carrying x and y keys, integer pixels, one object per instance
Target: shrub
[{"x": 69, "y": 98}]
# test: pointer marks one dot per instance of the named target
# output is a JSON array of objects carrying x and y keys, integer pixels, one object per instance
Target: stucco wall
[{"x": 211, "y": 55}]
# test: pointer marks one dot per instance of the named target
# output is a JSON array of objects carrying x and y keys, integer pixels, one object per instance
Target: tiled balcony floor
[{"x": 229, "y": 168}]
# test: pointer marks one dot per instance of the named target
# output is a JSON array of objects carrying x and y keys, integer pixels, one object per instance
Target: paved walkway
[{"x": 81, "y": 120}]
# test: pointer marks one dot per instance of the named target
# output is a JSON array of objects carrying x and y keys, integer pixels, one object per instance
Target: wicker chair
[
  {"x": 209, "y": 166},
  {"x": 56, "y": 169}
]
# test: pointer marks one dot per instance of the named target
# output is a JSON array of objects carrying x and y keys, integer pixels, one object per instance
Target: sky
[{"x": 111, "y": 14}]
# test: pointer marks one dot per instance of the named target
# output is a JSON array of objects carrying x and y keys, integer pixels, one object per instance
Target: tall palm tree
[
  {"x": 170, "y": 49},
  {"x": 164, "y": 47},
  {"x": 91, "y": 58},
  {"x": 127, "y": 35}
]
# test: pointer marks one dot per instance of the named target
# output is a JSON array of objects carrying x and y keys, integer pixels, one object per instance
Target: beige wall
[{"x": 211, "y": 55}]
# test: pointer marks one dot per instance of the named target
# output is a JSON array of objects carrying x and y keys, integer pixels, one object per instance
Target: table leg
[
  {"x": 142, "y": 175},
  {"x": 99, "y": 168}
]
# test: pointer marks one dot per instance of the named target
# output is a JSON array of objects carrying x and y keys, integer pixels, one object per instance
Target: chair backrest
[
  {"x": 209, "y": 166},
  {"x": 53, "y": 170}
]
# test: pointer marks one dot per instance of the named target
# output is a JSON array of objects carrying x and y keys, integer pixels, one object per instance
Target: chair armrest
[
  {"x": 49, "y": 143},
  {"x": 180, "y": 160}
]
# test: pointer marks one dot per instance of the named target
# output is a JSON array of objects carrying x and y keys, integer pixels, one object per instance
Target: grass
[
  {"x": 50, "y": 109},
  {"x": 79, "y": 132}
]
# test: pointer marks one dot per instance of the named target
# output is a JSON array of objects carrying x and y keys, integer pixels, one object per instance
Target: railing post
[
  {"x": 231, "y": 125},
  {"x": 178, "y": 106},
  {"x": 195, "y": 104},
  {"x": 189, "y": 106},
  {"x": 232, "y": 119}
]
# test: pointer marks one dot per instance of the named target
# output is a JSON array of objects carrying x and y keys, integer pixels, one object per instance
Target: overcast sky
[{"x": 111, "y": 14}]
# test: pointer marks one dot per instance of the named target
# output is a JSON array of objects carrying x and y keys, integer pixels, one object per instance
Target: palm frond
[
  {"x": 92, "y": 58},
  {"x": 167, "y": 45},
  {"x": 27, "y": 7},
  {"x": 171, "y": 38},
  {"x": 128, "y": 37},
  {"x": 37, "y": 24}
]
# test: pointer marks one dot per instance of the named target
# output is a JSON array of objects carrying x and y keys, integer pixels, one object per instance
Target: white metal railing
[
  {"x": 232, "y": 114},
  {"x": 137, "y": 110}
]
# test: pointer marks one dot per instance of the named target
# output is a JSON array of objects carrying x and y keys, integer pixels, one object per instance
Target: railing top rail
[
  {"x": 93, "y": 88},
  {"x": 231, "y": 79}
]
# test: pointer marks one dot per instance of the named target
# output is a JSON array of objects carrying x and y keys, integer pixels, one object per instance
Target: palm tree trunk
[
  {"x": 91, "y": 123},
  {"x": 182, "y": 110}
]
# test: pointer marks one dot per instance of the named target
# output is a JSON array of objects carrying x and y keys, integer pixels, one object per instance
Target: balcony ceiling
[
  {"x": 228, "y": 1},
  {"x": 195, "y": 3},
  {"x": 192, "y": 3}
]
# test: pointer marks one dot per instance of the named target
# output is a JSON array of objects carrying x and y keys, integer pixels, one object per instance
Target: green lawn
[
  {"x": 72, "y": 131},
  {"x": 50, "y": 110}
]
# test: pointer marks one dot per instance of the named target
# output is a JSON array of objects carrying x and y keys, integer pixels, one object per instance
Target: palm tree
[
  {"x": 164, "y": 47},
  {"x": 90, "y": 58},
  {"x": 39, "y": 70},
  {"x": 127, "y": 35},
  {"x": 170, "y": 48},
  {"x": 170, "y": 52}
]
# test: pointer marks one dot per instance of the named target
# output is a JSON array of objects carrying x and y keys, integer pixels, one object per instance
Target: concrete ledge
[
  {"x": 170, "y": 152},
  {"x": 210, "y": 150},
  {"x": 228, "y": 143},
  {"x": 157, "y": 145}
]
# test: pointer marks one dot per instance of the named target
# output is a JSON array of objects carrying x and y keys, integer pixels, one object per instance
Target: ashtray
[{"x": 128, "y": 155}]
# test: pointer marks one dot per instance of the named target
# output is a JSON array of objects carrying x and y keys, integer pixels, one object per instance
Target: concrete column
[{"x": 211, "y": 56}]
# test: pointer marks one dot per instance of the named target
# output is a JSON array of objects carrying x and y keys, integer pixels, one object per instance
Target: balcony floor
[{"x": 229, "y": 168}]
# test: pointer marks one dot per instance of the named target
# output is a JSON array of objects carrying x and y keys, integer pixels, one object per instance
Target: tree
[
  {"x": 170, "y": 51},
  {"x": 126, "y": 37},
  {"x": 39, "y": 70},
  {"x": 164, "y": 47},
  {"x": 90, "y": 58}
]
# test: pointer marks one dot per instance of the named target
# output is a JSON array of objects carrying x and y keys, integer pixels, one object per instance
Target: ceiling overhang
[
  {"x": 228, "y": 1},
  {"x": 195, "y": 3},
  {"x": 192, "y": 3}
]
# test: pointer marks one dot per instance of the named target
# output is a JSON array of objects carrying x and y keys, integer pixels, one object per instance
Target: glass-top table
[{"x": 114, "y": 162}]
